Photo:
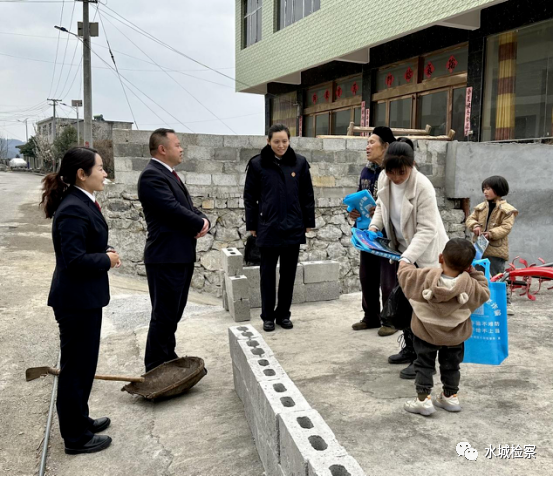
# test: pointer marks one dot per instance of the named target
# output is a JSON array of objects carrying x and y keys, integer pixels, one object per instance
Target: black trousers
[
  {"x": 168, "y": 285},
  {"x": 79, "y": 343},
  {"x": 450, "y": 358},
  {"x": 375, "y": 272},
  {"x": 287, "y": 272}
]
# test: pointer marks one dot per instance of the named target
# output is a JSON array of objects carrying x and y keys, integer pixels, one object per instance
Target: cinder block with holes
[
  {"x": 305, "y": 435},
  {"x": 231, "y": 261},
  {"x": 237, "y": 287},
  {"x": 342, "y": 465}
]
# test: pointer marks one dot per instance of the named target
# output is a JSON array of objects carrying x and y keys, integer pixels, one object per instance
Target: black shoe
[
  {"x": 96, "y": 444},
  {"x": 285, "y": 323},
  {"x": 407, "y": 353},
  {"x": 98, "y": 425},
  {"x": 409, "y": 372},
  {"x": 269, "y": 326}
]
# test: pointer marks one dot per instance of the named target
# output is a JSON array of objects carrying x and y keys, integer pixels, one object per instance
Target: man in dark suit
[{"x": 174, "y": 224}]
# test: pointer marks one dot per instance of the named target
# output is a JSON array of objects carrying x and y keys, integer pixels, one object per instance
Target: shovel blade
[{"x": 34, "y": 373}]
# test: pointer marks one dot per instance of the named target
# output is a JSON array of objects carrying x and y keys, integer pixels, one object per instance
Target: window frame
[{"x": 251, "y": 17}]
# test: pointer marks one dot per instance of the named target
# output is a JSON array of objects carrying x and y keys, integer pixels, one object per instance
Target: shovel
[
  {"x": 34, "y": 373},
  {"x": 168, "y": 379}
]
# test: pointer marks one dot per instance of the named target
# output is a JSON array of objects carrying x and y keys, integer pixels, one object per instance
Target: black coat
[
  {"x": 171, "y": 218},
  {"x": 80, "y": 236},
  {"x": 279, "y": 198}
]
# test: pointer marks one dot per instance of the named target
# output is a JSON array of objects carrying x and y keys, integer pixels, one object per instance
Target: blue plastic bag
[
  {"x": 489, "y": 341},
  {"x": 361, "y": 201}
]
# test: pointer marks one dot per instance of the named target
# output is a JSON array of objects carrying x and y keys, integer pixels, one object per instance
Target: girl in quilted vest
[{"x": 494, "y": 218}]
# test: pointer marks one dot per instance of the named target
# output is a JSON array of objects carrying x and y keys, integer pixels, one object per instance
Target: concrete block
[
  {"x": 196, "y": 178},
  {"x": 255, "y": 297},
  {"x": 321, "y": 271},
  {"x": 225, "y": 179},
  {"x": 342, "y": 465},
  {"x": 198, "y": 153},
  {"x": 323, "y": 291},
  {"x": 253, "y": 275},
  {"x": 357, "y": 143},
  {"x": 226, "y": 154},
  {"x": 236, "y": 287},
  {"x": 334, "y": 144},
  {"x": 243, "y": 351},
  {"x": 243, "y": 332},
  {"x": 122, "y": 164},
  {"x": 280, "y": 396},
  {"x": 231, "y": 260},
  {"x": 298, "y": 278},
  {"x": 239, "y": 309},
  {"x": 209, "y": 140},
  {"x": 127, "y": 150},
  {"x": 299, "y": 293},
  {"x": 304, "y": 436},
  {"x": 130, "y": 177},
  {"x": 236, "y": 141}
]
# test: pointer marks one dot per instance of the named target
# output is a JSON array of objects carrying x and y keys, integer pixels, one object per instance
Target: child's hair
[
  {"x": 458, "y": 254},
  {"x": 399, "y": 156},
  {"x": 407, "y": 141},
  {"x": 498, "y": 184}
]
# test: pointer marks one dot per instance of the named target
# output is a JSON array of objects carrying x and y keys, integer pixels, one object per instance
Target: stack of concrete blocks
[
  {"x": 290, "y": 436},
  {"x": 235, "y": 285},
  {"x": 314, "y": 281}
]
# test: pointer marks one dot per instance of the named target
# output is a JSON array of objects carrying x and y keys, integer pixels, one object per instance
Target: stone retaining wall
[{"x": 213, "y": 170}]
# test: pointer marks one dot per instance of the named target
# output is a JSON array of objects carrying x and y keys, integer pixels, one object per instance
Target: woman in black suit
[{"x": 79, "y": 290}]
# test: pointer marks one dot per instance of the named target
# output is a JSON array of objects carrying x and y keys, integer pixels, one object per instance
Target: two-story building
[
  {"x": 101, "y": 128},
  {"x": 480, "y": 67}
]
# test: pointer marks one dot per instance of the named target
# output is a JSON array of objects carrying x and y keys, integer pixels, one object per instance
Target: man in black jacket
[
  {"x": 174, "y": 224},
  {"x": 280, "y": 209}
]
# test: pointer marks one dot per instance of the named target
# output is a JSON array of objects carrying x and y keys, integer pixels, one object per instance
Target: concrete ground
[{"x": 342, "y": 373}]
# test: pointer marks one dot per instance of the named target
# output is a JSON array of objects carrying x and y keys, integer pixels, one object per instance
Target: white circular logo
[
  {"x": 471, "y": 454},
  {"x": 462, "y": 447}
]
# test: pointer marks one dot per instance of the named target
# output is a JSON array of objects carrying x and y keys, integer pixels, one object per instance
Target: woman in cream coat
[{"x": 407, "y": 211}]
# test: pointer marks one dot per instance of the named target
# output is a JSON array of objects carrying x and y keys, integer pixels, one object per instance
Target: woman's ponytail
[{"x": 53, "y": 188}]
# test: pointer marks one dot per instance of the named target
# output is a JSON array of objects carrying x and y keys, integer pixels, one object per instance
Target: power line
[
  {"x": 173, "y": 79},
  {"x": 115, "y": 64},
  {"x": 56, "y": 58},
  {"x": 65, "y": 52}
]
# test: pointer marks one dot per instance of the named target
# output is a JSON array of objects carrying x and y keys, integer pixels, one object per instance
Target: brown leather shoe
[
  {"x": 363, "y": 325},
  {"x": 386, "y": 331}
]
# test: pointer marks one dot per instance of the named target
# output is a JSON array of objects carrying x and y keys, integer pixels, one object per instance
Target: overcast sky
[{"x": 201, "y": 29}]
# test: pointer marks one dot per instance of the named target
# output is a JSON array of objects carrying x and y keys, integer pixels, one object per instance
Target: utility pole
[
  {"x": 26, "y": 131},
  {"x": 87, "y": 77},
  {"x": 54, "y": 101}
]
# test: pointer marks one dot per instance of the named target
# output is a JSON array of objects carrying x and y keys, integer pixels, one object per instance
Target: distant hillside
[{"x": 12, "y": 150}]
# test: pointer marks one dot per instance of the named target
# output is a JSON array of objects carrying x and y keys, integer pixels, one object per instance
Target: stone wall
[{"x": 213, "y": 170}]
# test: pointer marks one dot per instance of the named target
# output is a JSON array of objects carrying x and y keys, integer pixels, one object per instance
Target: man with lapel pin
[{"x": 173, "y": 224}]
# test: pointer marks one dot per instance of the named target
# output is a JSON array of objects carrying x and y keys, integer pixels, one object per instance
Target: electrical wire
[
  {"x": 65, "y": 53},
  {"x": 56, "y": 58},
  {"x": 115, "y": 65},
  {"x": 171, "y": 77}
]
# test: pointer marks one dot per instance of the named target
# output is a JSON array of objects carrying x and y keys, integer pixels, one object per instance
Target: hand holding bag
[{"x": 397, "y": 311}]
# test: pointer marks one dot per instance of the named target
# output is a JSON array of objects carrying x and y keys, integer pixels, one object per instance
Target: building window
[
  {"x": 291, "y": 11},
  {"x": 284, "y": 111},
  {"x": 331, "y": 107},
  {"x": 427, "y": 90},
  {"x": 518, "y": 84},
  {"x": 252, "y": 26}
]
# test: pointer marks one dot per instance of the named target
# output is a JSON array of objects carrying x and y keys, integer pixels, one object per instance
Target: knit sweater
[{"x": 442, "y": 310}]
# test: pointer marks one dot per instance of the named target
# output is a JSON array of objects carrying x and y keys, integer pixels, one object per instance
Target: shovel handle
[{"x": 105, "y": 377}]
